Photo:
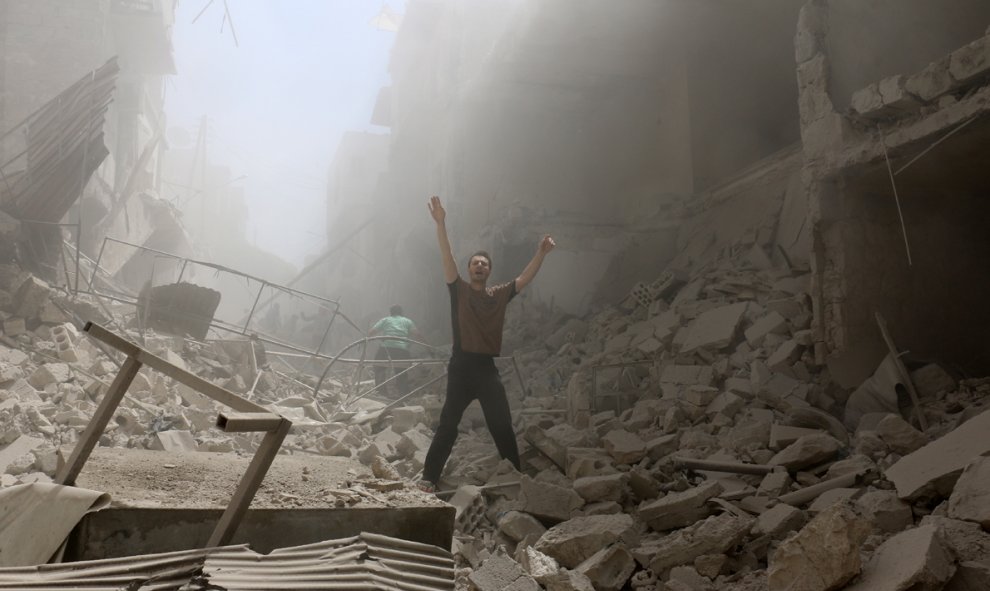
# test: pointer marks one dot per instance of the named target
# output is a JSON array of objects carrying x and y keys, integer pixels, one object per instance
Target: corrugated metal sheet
[
  {"x": 366, "y": 561},
  {"x": 47, "y": 166}
]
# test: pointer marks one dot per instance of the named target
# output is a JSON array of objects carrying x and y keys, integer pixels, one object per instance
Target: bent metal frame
[{"x": 250, "y": 417}]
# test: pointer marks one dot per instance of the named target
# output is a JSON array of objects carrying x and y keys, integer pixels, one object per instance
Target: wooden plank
[
  {"x": 905, "y": 376},
  {"x": 248, "y": 486},
  {"x": 178, "y": 374},
  {"x": 87, "y": 441}
]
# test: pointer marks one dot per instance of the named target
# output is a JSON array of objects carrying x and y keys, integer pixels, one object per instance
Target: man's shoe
[{"x": 427, "y": 486}]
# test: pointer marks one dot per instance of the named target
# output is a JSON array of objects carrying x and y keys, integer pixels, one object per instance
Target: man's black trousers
[
  {"x": 382, "y": 371},
  {"x": 471, "y": 377}
]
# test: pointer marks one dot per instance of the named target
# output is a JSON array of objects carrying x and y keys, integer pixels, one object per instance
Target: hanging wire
[{"x": 897, "y": 199}]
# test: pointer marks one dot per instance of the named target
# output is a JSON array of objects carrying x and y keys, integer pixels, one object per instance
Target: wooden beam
[
  {"x": 248, "y": 486},
  {"x": 241, "y": 422},
  {"x": 225, "y": 397},
  {"x": 91, "y": 435},
  {"x": 905, "y": 376}
]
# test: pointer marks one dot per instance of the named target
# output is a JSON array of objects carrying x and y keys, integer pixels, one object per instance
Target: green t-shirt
[{"x": 394, "y": 326}]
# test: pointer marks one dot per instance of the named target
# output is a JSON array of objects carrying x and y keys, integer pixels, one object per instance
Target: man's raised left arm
[{"x": 546, "y": 245}]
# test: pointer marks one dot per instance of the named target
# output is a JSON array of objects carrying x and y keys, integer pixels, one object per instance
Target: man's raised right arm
[{"x": 440, "y": 216}]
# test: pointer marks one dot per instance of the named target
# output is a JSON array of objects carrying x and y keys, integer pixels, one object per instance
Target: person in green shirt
[{"x": 394, "y": 325}]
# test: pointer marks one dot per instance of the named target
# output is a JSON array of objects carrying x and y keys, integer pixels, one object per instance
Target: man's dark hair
[
  {"x": 395, "y": 310},
  {"x": 482, "y": 253}
]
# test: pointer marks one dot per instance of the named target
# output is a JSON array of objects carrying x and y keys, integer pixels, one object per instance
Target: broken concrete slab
[
  {"x": 824, "y": 555},
  {"x": 21, "y": 446},
  {"x": 518, "y": 525},
  {"x": 547, "y": 501},
  {"x": 888, "y": 512},
  {"x": 778, "y": 520},
  {"x": 680, "y": 509},
  {"x": 935, "y": 467},
  {"x": 932, "y": 82},
  {"x": 970, "y": 499},
  {"x": 773, "y": 322},
  {"x": 971, "y": 62},
  {"x": 500, "y": 573},
  {"x": 970, "y": 576},
  {"x": 916, "y": 559},
  {"x": 575, "y": 540},
  {"x": 610, "y": 487},
  {"x": 714, "y": 329},
  {"x": 714, "y": 535},
  {"x": 807, "y": 451},
  {"x": 175, "y": 441},
  {"x": 609, "y": 568},
  {"x": 624, "y": 447},
  {"x": 899, "y": 435}
]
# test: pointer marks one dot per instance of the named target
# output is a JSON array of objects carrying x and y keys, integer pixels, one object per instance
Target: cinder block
[{"x": 469, "y": 505}]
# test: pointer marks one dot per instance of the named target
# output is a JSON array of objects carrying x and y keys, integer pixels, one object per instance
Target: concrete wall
[
  {"x": 46, "y": 46},
  {"x": 869, "y": 40},
  {"x": 935, "y": 307},
  {"x": 743, "y": 91}
]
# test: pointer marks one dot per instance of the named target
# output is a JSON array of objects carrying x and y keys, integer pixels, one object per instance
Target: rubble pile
[
  {"x": 683, "y": 439},
  {"x": 718, "y": 455}
]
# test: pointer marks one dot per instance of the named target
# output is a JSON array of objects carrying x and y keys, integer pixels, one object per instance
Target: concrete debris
[
  {"x": 823, "y": 555},
  {"x": 575, "y": 540},
  {"x": 916, "y": 559},
  {"x": 609, "y": 568},
  {"x": 970, "y": 499}
]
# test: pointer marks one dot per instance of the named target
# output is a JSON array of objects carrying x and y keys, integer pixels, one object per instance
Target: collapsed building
[{"x": 749, "y": 365}]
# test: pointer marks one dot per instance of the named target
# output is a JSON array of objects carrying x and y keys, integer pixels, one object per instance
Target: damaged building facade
[
  {"x": 660, "y": 136},
  {"x": 127, "y": 44}
]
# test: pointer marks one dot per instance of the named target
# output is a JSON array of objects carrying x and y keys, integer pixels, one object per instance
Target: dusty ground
[{"x": 142, "y": 478}]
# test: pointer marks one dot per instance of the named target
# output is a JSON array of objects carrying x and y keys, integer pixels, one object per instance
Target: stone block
[
  {"x": 726, "y": 404},
  {"x": 971, "y": 62},
  {"x": 611, "y": 487},
  {"x": 783, "y": 435},
  {"x": 715, "y": 535},
  {"x": 50, "y": 373},
  {"x": 556, "y": 452},
  {"x": 174, "y": 441},
  {"x": 574, "y": 541},
  {"x": 885, "y": 510},
  {"x": 624, "y": 447},
  {"x": 31, "y": 297},
  {"x": 680, "y": 509},
  {"x": 12, "y": 373},
  {"x": 932, "y": 379},
  {"x": 22, "y": 446},
  {"x": 779, "y": 520},
  {"x": 773, "y": 322},
  {"x": 519, "y": 526},
  {"x": 547, "y": 501},
  {"x": 588, "y": 461},
  {"x": 831, "y": 497},
  {"x": 662, "y": 446},
  {"x": 824, "y": 555},
  {"x": 567, "y": 580},
  {"x": 412, "y": 442},
  {"x": 501, "y": 573},
  {"x": 775, "y": 484},
  {"x": 405, "y": 418},
  {"x": 932, "y": 82},
  {"x": 806, "y": 452},
  {"x": 609, "y": 568},
  {"x": 714, "y": 329},
  {"x": 970, "y": 576},
  {"x": 936, "y": 466},
  {"x": 916, "y": 559},
  {"x": 970, "y": 499},
  {"x": 688, "y": 375},
  {"x": 784, "y": 356},
  {"x": 899, "y": 435},
  {"x": 13, "y": 327}
]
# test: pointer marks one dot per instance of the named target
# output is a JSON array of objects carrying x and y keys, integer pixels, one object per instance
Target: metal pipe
[{"x": 731, "y": 467}]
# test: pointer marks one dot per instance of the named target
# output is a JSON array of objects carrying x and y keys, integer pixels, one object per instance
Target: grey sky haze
[{"x": 303, "y": 72}]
